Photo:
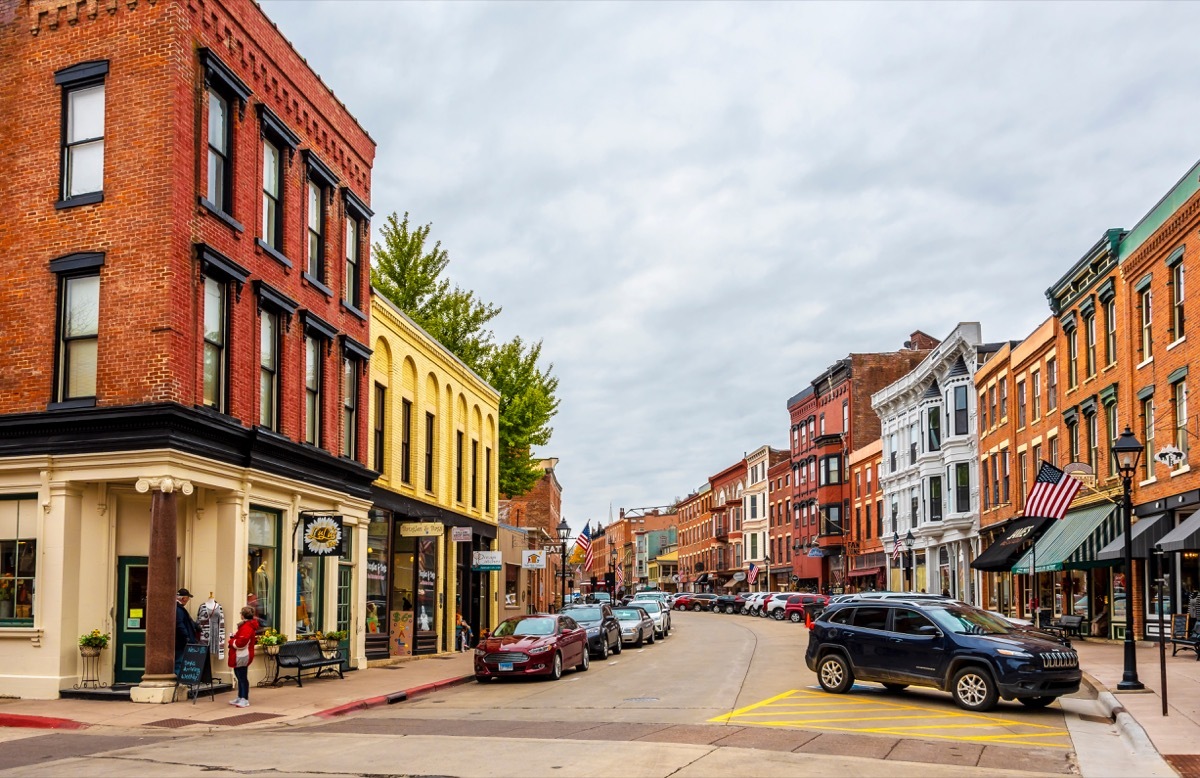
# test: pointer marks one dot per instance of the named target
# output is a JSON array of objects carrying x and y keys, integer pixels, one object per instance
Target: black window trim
[
  {"x": 213, "y": 209},
  {"x": 274, "y": 129},
  {"x": 79, "y": 261},
  {"x": 270, "y": 297},
  {"x": 79, "y": 76},
  {"x": 217, "y": 75},
  {"x": 78, "y": 264},
  {"x": 318, "y": 326},
  {"x": 215, "y": 264},
  {"x": 356, "y": 206},
  {"x": 353, "y": 349},
  {"x": 82, "y": 73},
  {"x": 319, "y": 171}
]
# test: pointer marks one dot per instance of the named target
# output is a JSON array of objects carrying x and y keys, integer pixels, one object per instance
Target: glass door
[{"x": 129, "y": 651}]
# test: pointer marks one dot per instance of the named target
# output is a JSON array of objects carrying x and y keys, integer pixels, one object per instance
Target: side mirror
[{"x": 929, "y": 631}]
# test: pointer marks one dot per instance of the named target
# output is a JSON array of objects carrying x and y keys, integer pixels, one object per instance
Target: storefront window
[
  {"x": 345, "y": 581},
  {"x": 18, "y": 562},
  {"x": 400, "y": 623},
  {"x": 511, "y": 575},
  {"x": 262, "y": 571},
  {"x": 309, "y": 586},
  {"x": 377, "y": 575},
  {"x": 427, "y": 584}
]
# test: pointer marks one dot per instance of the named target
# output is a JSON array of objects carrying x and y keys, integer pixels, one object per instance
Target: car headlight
[
  {"x": 593, "y": 632},
  {"x": 539, "y": 650},
  {"x": 480, "y": 652},
  {"x": 1013, "y": 653}
]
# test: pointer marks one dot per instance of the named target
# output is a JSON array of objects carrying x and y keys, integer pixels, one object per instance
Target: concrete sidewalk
[
  {"x": 1175, "y": 736},
  {"x": 324, "y": 697}
]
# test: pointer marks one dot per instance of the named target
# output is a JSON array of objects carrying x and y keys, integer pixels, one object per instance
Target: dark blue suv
[{"x": 975, "y": 656}]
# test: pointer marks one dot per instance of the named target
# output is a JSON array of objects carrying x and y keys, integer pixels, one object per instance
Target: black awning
[
  {"x": 1148, "y": 531},
  {"x": 1004, "y": 553},
  {"x": 420, "y": 511},
  {"x": 1184, "y": 537},
  {"x": 703, "y": 578}
]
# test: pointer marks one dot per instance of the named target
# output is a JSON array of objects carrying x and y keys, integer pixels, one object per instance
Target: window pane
[
  {"x": 266, "y": 342},
  {"x": 83, "y": 307},
  {"x": 266, "y": 399},
  {"x": 312, "y": 373},
  {"x": 217, "y": 122},
  {"x": 85, "y": 168},
  {"x": 263, "y": 566},
  {"x": 214, "y": 311},
  {"x": 271, "y": 170},
  {"x": 216, "y": 180},
  {"x": 85, "y": 114},
  {"x": 81, "y": 368}
]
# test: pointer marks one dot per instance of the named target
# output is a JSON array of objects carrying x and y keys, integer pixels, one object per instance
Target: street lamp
[
  {"x": 1128, "y": 451},
  {"x": 767, "y": 559},
  {"x": 912, "y": 561},
  {"x": 564, "y": 534}
]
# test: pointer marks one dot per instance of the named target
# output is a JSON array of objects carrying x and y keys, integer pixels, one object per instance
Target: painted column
[{"x": 158, "y": 683}]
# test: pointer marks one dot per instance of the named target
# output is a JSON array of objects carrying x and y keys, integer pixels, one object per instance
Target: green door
[
  {"x": 345, "y": 586},
  {"x": 129, "y": 652}
]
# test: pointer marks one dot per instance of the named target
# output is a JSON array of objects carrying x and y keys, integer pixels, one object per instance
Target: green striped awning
[{"x": 1074, "y": 542}]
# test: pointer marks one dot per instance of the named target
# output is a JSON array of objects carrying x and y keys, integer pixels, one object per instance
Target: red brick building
[
  {"x": 779, "y": 521},
  {"x": 723, "y": 558},
  {"x": 865, "y": 542},
  {"x": 186, "y": 327},
  {"x": 540, "y": 510},
  {"x": 695, "y": 538},
  {"x": 829, "y": 419}
]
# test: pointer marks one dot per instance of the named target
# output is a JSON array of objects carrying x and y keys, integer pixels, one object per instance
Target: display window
[
  {"x": 309, "y": 589},
  {"x": 262, "y": 570},
  {"x": 18, "y": 562}
]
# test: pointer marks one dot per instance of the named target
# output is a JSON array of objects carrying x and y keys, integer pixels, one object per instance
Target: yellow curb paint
[{"x": 756, "y": 705}]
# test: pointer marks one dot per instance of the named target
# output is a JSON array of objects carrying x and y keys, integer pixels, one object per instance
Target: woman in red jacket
[{"x": 242, "y": 642}]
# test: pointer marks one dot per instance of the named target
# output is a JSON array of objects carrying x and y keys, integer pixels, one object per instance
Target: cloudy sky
[{"x": 700, "y": 206}]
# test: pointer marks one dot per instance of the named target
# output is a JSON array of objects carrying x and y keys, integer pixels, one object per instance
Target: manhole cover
[
  {"x": 641, "y": 699},
  {"x": 244, "y": 718}
]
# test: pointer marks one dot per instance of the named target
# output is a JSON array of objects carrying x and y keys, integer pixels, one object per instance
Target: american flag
[
  {"x": 896, "y": 549},
  {"x": 585, "y": 542},
  {"x": 752, "y": 576},
  {"x": 1052, "y": 493},
  {"x": 620, "y": 576}
]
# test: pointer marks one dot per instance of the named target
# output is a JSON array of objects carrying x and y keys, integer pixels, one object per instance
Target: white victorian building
[{"x": 929, "y": 475}]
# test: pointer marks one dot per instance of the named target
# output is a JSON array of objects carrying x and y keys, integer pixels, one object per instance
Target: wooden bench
[
  {"x": 1184, "y": 635},
  {"x": 306, "y": 655},
  {"x": 1066, "y": 626}
]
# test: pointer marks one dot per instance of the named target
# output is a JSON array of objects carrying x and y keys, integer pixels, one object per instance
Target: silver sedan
[{"x": 636, "y": 625}]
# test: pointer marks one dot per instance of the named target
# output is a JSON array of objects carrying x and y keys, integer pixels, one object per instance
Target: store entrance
[{"x": 130, "y": 650}]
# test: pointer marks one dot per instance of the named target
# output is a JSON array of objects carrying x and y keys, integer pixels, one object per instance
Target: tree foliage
[{"x": 408, "y": 272}]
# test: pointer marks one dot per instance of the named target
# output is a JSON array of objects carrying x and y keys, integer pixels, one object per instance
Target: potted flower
[
  {"x": 92, "y": 642},
  {"x": 329, "y": 640},
  {"x": 271, "y": 640}
]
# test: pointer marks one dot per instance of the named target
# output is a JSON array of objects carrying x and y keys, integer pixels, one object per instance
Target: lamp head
[
  {"x": 564, "y": 530},
  {"x": 1128, "y": 451},
  {"x": 909, "y": 539}
]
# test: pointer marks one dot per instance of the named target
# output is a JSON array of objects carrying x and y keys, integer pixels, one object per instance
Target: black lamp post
[
  {"x": 1128, "y": 451},
  {"x": 564, "y": 534},
  {"x": 912, "y": 561}
]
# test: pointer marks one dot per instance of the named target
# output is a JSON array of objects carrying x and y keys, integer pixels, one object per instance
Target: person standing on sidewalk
[
  {"x": 186, "y": 630},
  {"x": 241, "y": 654}
]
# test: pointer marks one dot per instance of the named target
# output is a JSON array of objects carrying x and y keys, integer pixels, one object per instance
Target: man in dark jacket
[{"x": 185, "y": 629}]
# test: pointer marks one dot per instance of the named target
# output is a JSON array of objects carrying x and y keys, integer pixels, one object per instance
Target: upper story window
[
  {"x": 1072, "y": 358},
  {"x": 1093, "y": 427},
  {"x": 430, "y": 428},
  {"x": 995, "y": 409},
  {"x": 1110, "y": 332},
  {"x": 1179, "y": 406},
  {"x": 220, "y": 273},
  {"x": 273, "y": 308},
  {"x": 320, "y": 181},
  {"x": 1051, "y": 384},
  {"x": 1089, "y": 333},
  {"x": 983, "y": 410},
  {"x": 352, "y": 293},
  {"x": 962, "y": 487},
  {"x": 406, "y": 422},
  {"x": 1004, "y": 399},
  {"x": 934, "y": 415},
  {"x": 82, "y": 153},
  {"x": 1145, "y": 301},
  {"x": 317, "y": 336},
  {"x": 349, "y": 407},
  {"x": 78, "y": 328},
  {"x": 277, "y": 141},
  {"x": 220, "y": 129},
  {"x": 1021, "y": 410},
  {"x": 960, "y": 410},
  {"x": 1177, "y": 295},
  {"x": 1148, "y": 436}
]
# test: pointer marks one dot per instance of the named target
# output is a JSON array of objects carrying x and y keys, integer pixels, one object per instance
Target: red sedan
[
  {"x": 796, "y": 604},
  {"x": 532, "y": 645}
]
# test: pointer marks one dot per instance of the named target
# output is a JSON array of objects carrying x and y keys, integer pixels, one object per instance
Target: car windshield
[
  {"x": 651, "y": 606},
  {"x": 627, "y": 614},
  {"x": 585, "y": 614},
  {"x": 520, "y": 627},
  {"x": 969, "y": 621}
]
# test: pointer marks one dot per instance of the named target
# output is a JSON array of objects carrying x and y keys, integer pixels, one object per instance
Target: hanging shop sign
[
  {"x": 322, "y": 535},
  {"x": 739, "y": 576},
  {"x": 460, "y": 534},
  {"x": 486, "y": 561},
  {"x": 421, "y": 529},
  {"x": 533, "y": 560}
]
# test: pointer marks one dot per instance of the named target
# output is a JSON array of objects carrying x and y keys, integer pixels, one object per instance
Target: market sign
[
  {"x": 486, "y": 561},
  {"x": 322, "y": 535},
  {"x": 460, "y": 534},
  {"x": 420, "y": 529},
  {"x": 533, "y": 560}
]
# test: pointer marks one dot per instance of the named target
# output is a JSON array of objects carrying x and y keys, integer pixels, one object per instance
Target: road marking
[{"x": 811, "y": 709}]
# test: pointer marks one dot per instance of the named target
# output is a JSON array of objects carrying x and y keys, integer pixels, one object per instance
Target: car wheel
[
  {"x": 681, "y": 607},
  {"x": 779, "y": 614},
  {"x": 556, "y": 667},
  {"x": 619, "y": 646},
  {"x": 604, "y": 650},
  {"x": 973, "y": 689},
  {"x": 1036, "y": 702},
  {"x": 640, "y": 640},
  {"x": 729, "y": 609},
  {"x": 834, "y": 674},
  {"x": 795, "y": 617},
  {"x": 587, "y": 660},
  {"x": 696, "y": 607},
  {"x": 895, "y": 687},
  {"x": 653, "y": 636},
  {"x": 482, "y": 679}
]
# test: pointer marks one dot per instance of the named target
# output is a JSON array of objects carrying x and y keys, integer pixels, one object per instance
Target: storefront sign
[
  {"x": 420, "y": 529},
  {"x": 533, "y": 560},
  {"x": 322, "y": 535},
  {"x": 486, "y": 561},
  {"x": 739, "y": 576},
  {"x": 460, "y": 534}
]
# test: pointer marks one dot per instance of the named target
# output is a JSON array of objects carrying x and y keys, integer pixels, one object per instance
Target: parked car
[
  {"x": 596, "y": 597},
  {"x": 774, "y": 604},
  {"x": 636, "y": 625},
  {"x": 754, "y": 602},
  {"x": 651, "y": 594},
  {"x": 729, "y": 603},
  {"x": 974, "y": 656},
  {"x": 796, "y": 605},
  {"x": 541, "y": 644},
  {"x": 604, "y": 634},
  {"x": 659, "y": 613},
  {"x": 696, "y": 601}
]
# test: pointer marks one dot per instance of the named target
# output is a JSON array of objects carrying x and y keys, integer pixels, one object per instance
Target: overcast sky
[{"x": 700, "y": 206}]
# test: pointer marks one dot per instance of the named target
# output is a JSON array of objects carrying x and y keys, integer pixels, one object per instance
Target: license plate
[{"x": 506, "y": 667}]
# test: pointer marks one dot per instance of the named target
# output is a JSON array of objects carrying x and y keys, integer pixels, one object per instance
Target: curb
[
  {"x": 389, "y": 699},
  {"x": 1131, "y": 731},
  {"x": 39, "y": 722}
]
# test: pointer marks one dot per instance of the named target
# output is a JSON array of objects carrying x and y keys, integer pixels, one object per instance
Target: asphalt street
[{"x": 723, "y": 695}]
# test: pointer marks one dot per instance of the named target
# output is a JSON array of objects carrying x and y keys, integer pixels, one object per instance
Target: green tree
[
  {"x": 408, "y": 272},
  {"x": 527, "y": 404}
]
